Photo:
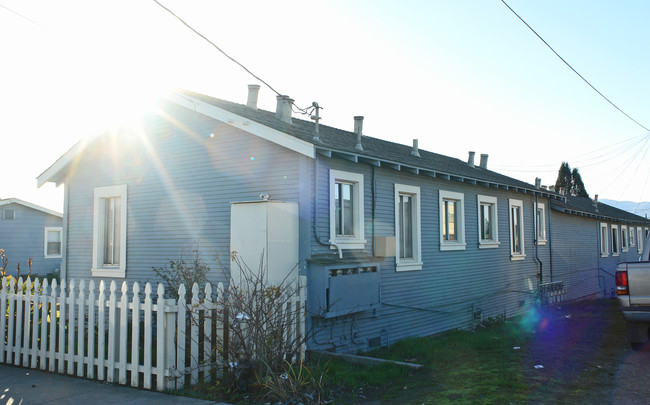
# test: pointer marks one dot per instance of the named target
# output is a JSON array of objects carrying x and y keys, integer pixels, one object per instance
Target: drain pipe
[
  {"x": 541, "y": 271},
  {"x": 550, "y": 241},
  {"x": 316, "y": 231}
]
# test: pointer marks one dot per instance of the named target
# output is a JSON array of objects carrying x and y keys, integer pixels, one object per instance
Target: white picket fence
[{"x": 96, "y": 333}]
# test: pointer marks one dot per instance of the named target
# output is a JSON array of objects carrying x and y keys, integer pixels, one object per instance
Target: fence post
[
  {"x": 160, "y": 339},
  {"x": 170, "y": 346},
  {"x": 3, "y": 318}
]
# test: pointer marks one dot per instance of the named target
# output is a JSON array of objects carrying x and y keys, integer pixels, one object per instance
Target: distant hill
[{"x": 642, "y": 208}]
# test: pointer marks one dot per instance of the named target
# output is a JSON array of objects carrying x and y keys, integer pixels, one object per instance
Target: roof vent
[
  {"x": 415, "y": 151},
  {"x": 484, "y": 158},
  {"x": 253, "y": 92},
  {"x": 283, "y": 108},
  {"x": 551, "y": 188},
  {"x": 538, "y": 182},
  {"x": 316, "y": 118},
  {"x": 358, "y": 129},
  {"x": 470, "y": 159},
  {"x": 562, "y": 190}
]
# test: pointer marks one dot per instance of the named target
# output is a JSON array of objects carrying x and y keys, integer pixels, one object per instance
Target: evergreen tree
[
  {"x": 577, "y": 186},
  {"x": 563, "y": 177}
]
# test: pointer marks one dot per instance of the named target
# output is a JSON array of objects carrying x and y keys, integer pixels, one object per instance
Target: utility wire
[
  {"x": 571, "y": 67},
  {"x": 20, "y": 15},
  {"x": 306, "y": 111}
]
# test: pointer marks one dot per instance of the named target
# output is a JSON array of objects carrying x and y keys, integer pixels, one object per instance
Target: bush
[{"x": 181, "y": 272}]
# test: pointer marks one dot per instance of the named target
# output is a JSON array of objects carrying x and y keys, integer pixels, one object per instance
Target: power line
[
  {"x": 20, "y": 15},
  {"x": 571, "y": 67}
]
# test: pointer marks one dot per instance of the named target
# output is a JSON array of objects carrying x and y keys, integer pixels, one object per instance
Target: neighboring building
[
  {"x": 29, "y": 231},
  {"x": 394, "y": 241},
  {"x": 589, "y": 239}
]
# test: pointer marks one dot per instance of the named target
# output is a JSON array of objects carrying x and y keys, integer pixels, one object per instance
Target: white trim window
[
  {"x": 625, "y": 244},
  {"x": 346, "y": 210},
  {"x": 452, "y": 220},
  {"x": 632, "y": 233},
  {"x": 109, "y": 232},
  {"x": 616, "y": 247},
  {"x": 540, "y": 224},
  {"x": 639, "y": 239},
  {"x": 488, "y": 222},
  {"x": 53, "y": 237},
  {"x": 9, "y": 213},
  {"x": 408, "y": 254},
  {"x": 517, "y": 248},
  {"x": 604, "y": 240}
]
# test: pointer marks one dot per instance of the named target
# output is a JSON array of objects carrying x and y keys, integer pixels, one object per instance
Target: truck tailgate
[{"x": 639, "y": 282}]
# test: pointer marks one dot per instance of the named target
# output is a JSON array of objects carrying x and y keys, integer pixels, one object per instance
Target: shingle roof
[
  {"x": 339, "y": 140},
  {"x": 588, "y": 207}
]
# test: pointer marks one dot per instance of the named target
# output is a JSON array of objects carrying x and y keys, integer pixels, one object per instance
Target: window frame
[
  {"x": 616, "y": 247},
  {"x": 604, "y": 239},
  {"x": 48, "y": 229},
  {"x": 357, "y": 240},
  {"x": 632, "y": 231},
  {"x": 541, "y": 239},
  {"x": 512, "y": 203},
  {"x": 459, "y": 243},
  {"x": 98, "y": 268},
  {"x": 414, "y": 263},
  {"x": 639, "y": 239},
  {"x": 482, "y": 200},
  {"x": 625, "y": 243},
  {"x": 13, "y": 214}
]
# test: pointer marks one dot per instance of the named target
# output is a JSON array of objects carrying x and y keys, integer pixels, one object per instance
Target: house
[
  {"x": 30, "y": 231},
  {"x": 394, "y": 241},
  {"x": 589, "y": 239}
]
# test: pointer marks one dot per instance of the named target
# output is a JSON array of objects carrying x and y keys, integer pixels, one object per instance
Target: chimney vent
[
  {"x": 283, "y": 108},
  {"x": 358, "y": 125},
  {"x": 551, "y": 188},
  {"x": 562, "y": 190},
  {"x": 415, "y": 152},
  {"x": 538, "y": 182},
  {"x": 470, "y": 160},
  {"x": 596, "y": 198},
  {"x": 253, "y": 91},
  {"x": 484, "y": 158}
]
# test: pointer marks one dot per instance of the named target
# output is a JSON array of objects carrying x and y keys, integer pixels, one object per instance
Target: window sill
[
  {"x": 52, "y": 257},
  {"x": 615, "y": 254},
  {"x": 604, "y": 255},
  {"x": 541, "y": 242},
  {"x": 112, "y": 273},
  {"x": 516, "y": 258},
  {"x": 488, "y": 245},
  {"x": 452, "y": 246},
  {"x": 408, "y": 266},
  {"x": 348, "y": 244}
]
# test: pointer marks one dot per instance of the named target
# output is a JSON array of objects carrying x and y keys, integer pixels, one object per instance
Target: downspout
[
  {"x": 63, "y": 275},
  {"x": 550, "y": 241},
  {"x": 374, "y": 204},
  {"x": 316, "y": 231},
  {"x": 541, "y": 274}
]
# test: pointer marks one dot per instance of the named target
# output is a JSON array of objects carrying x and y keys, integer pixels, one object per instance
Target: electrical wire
[
  {"x": 300, "y": 110},
  {"x": 20, "y": 15},
  {"x": 571, "y": 67}
]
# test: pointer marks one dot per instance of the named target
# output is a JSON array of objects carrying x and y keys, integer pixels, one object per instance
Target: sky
[{"x": 459, "y": 76}]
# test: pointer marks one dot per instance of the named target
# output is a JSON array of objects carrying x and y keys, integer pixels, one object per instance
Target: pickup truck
[{"x": 633, "y": 291}]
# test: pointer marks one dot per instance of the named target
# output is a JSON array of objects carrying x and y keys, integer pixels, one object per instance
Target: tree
[
  {"x": 577, "y": 186},
  {"x": 571, "y": 181}
]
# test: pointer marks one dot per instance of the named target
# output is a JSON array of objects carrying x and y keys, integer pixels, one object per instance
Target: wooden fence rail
[{"x": 125, "y": 336}]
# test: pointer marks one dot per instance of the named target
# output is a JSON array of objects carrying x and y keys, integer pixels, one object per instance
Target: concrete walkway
[{"x": 22, "y": 386}]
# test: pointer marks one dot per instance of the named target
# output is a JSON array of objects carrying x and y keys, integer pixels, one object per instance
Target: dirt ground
[{"x": 579, "y": 355}]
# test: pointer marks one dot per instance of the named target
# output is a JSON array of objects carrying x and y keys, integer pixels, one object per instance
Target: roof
[
  {"x": 334, "y": 142},
  {"x": 8, "y": 201},
  {"x": 587, "y": 207}
]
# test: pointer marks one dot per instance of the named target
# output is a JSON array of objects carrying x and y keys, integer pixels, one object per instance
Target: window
[
  {"x": 346, "y": 210},
  {"x": 624, "y": 240},
  {"x": 604, "y": 240},
  {"x": 9, "y": 213},
  {"x": 407, "y": 228},
  {"x": 639, "y": 240},
  {"x": 517, "y": 251},
  {"x": 53, "y": 238},
  {"x": 452, "y": 221},
  {"x": 109, "y": 232},
  {"x": 632, "y": 236},
  {"x": 540, "y": 224},
  {"x": 616, "y": 249},
  {"x": 488, "y": 232}
]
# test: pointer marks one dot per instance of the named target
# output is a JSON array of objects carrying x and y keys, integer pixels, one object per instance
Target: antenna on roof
[{"x": 316, "y": 118}]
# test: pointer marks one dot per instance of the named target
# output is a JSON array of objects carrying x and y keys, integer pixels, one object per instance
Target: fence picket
[
  {"x": 207, "y": 332},
  {"x": 90, "y": 359},
  {"x": 112, "y": 304},
  {"x": 135, "y": 336},
  {"x": 194, "y": 335},
  {"x": 180, "y": 338},
  {"x": 71, "y": 326},
  {"x": 81, "y": 328},
  {"x": 124, "y": 319},
  {"x": 44, "y": 325},
  {"x": 101, "y": 332},
  {"x": 54, "y": 318},
  {"x": 3, "y": 319},
  {"x": 19, "y": 321},
  {"x": 147, "y": 337},
  {"x": 26, "y": 304},
  {"x": 35, "y": 324},
  {"x": 160, "y": 339},
  {"x": 11, "y": 319}
]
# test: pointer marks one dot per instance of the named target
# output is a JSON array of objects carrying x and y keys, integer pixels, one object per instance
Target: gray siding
[
  {"x": 24, "y": 237},
  {"x": 181, "y": 181},
  {"x": 452, "y": 284}
]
